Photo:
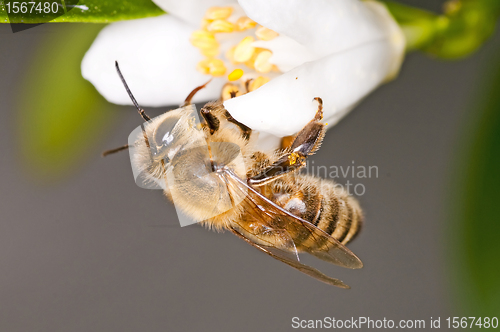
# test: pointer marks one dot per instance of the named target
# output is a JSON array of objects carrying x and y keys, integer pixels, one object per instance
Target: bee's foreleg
[
  {"x": 212, "y": 121},
  {"x": 246, "y": 131}
]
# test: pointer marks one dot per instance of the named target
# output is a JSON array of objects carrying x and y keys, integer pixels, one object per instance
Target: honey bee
[{"x": 220, "y": 179}]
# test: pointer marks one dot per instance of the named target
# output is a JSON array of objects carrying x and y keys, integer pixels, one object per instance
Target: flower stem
[{"x": 461, "y": 29}]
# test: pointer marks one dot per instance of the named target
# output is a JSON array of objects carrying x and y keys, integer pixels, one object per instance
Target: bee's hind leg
[{"x": 305, "y": 143}]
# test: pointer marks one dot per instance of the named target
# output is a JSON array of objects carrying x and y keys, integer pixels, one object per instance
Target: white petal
[
  {"x": 393, "y": 33},
  {"x": 287, "y": 53},
  {"x": 323, "y": 26},
  {"x": 285, "y": 104},
  {"x": 155, "y": 57},
  {"x": 191, "y": 11}
]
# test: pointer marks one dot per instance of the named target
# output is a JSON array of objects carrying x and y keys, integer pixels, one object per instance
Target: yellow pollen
[
  {"x": 217, "y": 67},
  {"x": 220, "y": 26},
  {"x": 257, "y": 83},
  {"x": 218, "y": 13},
  {"x": 214, "y": 67},
  {"x": 235, "y": 75},
  {"x": 293, "y": 158},
  {"x": 210, "y": 52},
  {"x": 202, "y": 66},
  {"x": 203, "y": 39},
  {"x": 250, "y": 62},
  {"x": 221, "y": 20},
  {"x": 245, "y": 23},
  {"x": 244, "y": 50},
  {"x": 230, "y": 55},
  {"x": 230, "y": 90},
  {"x": 205, "y": 23},
  {"x": 261, "y": 63},
  {"x": 326, "y": 124},
  {"x": 264, "y": 33}
]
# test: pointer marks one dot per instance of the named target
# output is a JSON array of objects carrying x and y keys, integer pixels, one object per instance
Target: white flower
[{"x": 338, "y": 50}]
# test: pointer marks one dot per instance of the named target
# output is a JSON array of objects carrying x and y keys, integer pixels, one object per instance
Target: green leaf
[
  {"x": 96, "y": 11},
  {"x": 60, "y": 115},
  {"x": 462, "y": 28},
  {"x": 419, "y": 26},
  {"x": 476, "y": 224}
]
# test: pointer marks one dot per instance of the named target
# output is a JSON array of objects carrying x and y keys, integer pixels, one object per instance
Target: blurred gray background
[{"x": 97, "y": 253}]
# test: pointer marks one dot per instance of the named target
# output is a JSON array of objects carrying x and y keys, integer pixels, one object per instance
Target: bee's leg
[
  {"x": 191, "y": 95},
  {"x": 310, "y": 137},
  {"x": 212, "y": 121},
  {"x": 305, "y": 143},
  {"x": 246, "y": 131},
  {"x": 230, "y": 90}
]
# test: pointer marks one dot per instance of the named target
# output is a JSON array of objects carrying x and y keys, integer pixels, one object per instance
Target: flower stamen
[
  {"x": 214, "y": 67},
  {"x": 245, "y": 23},
  {"x": 244, "y": 50},
  {"x": 219, "y": 20},
  {"x": 220, "y": 26},
  {"x": 218, "y": 13},
  {"x": 261, "y": 63},
  {"x": 264, "y": 33},
  {"x": 230, "y": 90},
  {"x": 257, "y": 83},
  {"x": 204, "y": 39}
]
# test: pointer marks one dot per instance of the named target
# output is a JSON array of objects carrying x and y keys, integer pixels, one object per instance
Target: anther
[
  {"x": 261, "y": 63},
  {"x": 264, "y": 33},
  {"x": 220, "y": 26},
  {"x": 218, "y": 13},
  {"x": 203, "y": 39},
  {"x": 230, "y": 90},
  {"x": 245, "y": 23},
  {"x": 257, "y": 83},
  {"x": 244, "y": 50},
  {"x": 214, "y": 67}
]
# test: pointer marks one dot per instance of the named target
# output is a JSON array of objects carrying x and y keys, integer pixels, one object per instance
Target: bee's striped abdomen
[
  {"x": 320, "y": 202},
  {"x": 341, "y": 217}
]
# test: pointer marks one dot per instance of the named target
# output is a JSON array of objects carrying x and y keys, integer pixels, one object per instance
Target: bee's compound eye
[{"x": 165, "y": 133}]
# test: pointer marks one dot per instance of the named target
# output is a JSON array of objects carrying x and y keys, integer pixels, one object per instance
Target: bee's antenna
[
  {"x": 121, "y": 148},
  {"x": 191, "y": 95},
  {"x": 141, "y": 111}
]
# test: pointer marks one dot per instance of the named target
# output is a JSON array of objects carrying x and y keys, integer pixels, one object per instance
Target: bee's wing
[
  {"x": 289, "y": 259},
  {"x": 311, "y": 238}
]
